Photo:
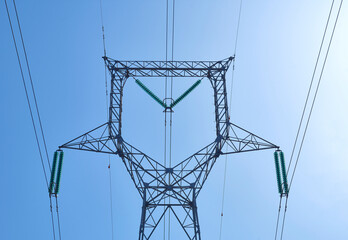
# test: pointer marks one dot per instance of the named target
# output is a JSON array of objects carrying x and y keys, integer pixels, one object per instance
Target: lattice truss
[{"x": 155, "y": 182}]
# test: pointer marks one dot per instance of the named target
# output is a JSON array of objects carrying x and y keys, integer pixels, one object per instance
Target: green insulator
[
  {"x": 279, "y": 183},
  {"x": 148, "y": 91},
  {"x": 53, "y": 172},
  {"x": 182, "y": 96},
  {"x": 59, "y": 171},
  {"x": 285, "y": 179}
]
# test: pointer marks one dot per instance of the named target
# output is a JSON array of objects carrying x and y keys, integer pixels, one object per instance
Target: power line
[
  {"x": 171, "y": 89},
  {"x": 237, "y": 33},
  {"x": 284, "y": 216},
  {"x": 171, "y": 112},
  {"x": 235, "y": 50},
  {"x": 302, "y": 117},
  {"x": 280, "y": 206},
  {"x": 102, "y": 22},
  {"x": 316, "y": 92},
  {"x": 29, "y": 104},
  {"x": 26, "y": 93},
  {"x": 57, "y": 208},
  {"x": 32, "y": 84},
  {"x": 52, "y": 220},
  {"x": 223, "y": 198},
  {"x": 165, "y": 113},
  {"x": 111, "y": 208},
  {"x": 227, "y": 147},
  {"x": 310, "y": 87},
  {"x": 107, "y": 116},
  {"x": 313, "y": 102}
]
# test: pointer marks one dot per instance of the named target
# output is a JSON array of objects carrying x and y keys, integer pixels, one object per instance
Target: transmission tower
[{"x": 155, "y": 182}]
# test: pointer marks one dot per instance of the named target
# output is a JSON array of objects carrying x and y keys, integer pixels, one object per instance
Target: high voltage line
[
  {"x": 166, "y": 176},
  {"x": 33, "y": 109},
  {"x": 311, "y": 108}
]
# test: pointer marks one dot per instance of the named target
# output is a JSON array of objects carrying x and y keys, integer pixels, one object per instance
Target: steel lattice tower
[{"x": 155, "y": 182}]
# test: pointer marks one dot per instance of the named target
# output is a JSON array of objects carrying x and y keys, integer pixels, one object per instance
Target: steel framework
[{"x": 155, "y": 182}]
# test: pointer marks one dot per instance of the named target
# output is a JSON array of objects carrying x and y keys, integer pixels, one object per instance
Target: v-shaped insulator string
[
  {"x": 148, "y": 91},
  {"x": 187, "y": 92},
  {"x": 162, "y": 103}
]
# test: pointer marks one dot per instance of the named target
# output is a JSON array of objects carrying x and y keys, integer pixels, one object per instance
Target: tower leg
[
  {"x": 195, "y": 221},
  {"x": 142, "y": 220},
  {"x": 195, "y": 216}
]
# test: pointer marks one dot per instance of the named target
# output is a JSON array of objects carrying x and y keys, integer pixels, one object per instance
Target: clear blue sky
[{"x": 278, "y": 43}]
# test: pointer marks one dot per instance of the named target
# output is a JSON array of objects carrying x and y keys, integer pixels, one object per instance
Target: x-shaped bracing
[{"x": 173, "y": 189}]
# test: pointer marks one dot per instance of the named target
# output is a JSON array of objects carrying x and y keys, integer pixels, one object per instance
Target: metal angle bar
[
  {"x": 209, "y": 157},
  {"x": 168, "y": 205},
  {"x": 138, "y": 168},
  {"x": 250, "y": 150},
  {"x": 197, "y": 153},
  {"x": 140, "y": 152},
  {"x": 182, "y": 223},
  {"x": 83, "y": 135},
  {"x": 167, "y": 68},
  {"x": 156, "y": 224},
  {"x": 130, "y": 157},
  {"x": 182, "y": 226},
  {"x": 168, "y": 64},
  {"x": 234, "y": 125}
]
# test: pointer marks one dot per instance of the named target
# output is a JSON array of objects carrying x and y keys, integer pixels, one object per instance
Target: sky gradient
[{"x": 277, "y": 49}]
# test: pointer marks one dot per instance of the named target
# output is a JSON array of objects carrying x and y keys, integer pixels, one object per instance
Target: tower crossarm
[
  {"x": 167, "y": 68},
  {"x": 96, "y": 140},
  {"x": 141, "y": 168},
  {"x": 241, "y": 140},
  {"x": 196, "y": 168}
]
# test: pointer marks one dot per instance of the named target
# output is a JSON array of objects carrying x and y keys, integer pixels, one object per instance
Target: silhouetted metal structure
[{"x": 155, "y": 182}]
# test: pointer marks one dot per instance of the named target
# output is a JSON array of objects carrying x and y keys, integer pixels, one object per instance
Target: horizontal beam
[{"x": 167, "y": 68}]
